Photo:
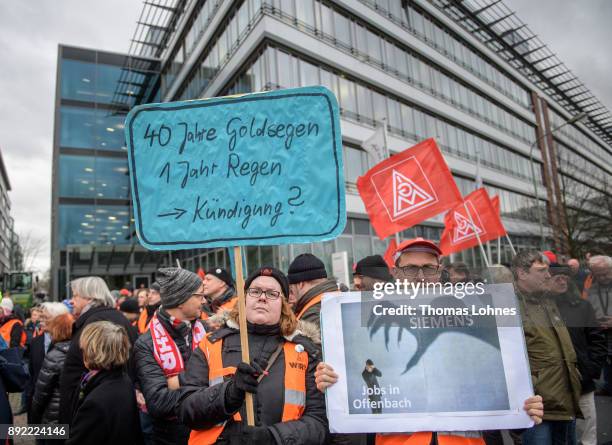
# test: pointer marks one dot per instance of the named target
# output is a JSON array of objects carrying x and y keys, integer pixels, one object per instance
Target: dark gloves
[
  {"x": 257, "y": 435},
  {"x": 244, "y": 380}
]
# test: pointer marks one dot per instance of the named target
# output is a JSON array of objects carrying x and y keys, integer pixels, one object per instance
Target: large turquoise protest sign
[{"x": 262, "y": 168}]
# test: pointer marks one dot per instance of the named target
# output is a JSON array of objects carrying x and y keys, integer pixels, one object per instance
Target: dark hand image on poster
[{"x": 420, "y": 363}]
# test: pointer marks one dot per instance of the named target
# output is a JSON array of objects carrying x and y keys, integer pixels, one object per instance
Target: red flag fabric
[
  {"x": 201, "y": 273},
  {"x": 495, "y": 203},
  {"x": 390, "y": 252},
  {"x": 459, "y": 234},
  {"x": 408, "y": 188}
]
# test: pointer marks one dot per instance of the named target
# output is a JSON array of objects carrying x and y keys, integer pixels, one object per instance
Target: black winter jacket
[
  {"x": 37, "y": 358},
  {"x": 202, "y": 406},
  {"x": 45, "y": 403},
  {"x": 73, "y": 365},
  {"x": 161, "y": 401},
  {"x": 588, "y": 338},
  {"x": 106, "y": 412}
]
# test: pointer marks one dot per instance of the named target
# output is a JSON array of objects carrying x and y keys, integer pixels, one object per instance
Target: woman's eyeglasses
[{"x": 255, "y": 292}]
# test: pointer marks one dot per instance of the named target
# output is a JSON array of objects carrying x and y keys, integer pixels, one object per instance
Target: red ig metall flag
[
  {"x": 408, "y": 188},
  {"x": 459, "y": 234},
  {"x": 390, "y": 253},
  {"x": 496, "y": 205}
]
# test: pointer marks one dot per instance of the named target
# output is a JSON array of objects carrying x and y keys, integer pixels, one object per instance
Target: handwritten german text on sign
[{"x": 263, "y": 168}]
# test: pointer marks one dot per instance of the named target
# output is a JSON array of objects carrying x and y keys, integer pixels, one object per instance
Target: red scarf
[{"x": 166, "y": 352}]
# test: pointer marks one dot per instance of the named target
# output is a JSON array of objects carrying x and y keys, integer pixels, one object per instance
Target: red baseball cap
[
  {"x": 124, "y": 293},
  {"x": 552, "y": 257},
  {"x": 417, "y": 245}
]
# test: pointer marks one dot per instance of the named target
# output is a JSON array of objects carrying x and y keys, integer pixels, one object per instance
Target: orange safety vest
[
  {"x": 227, "y": 306},
  {"x": 5, "y": 332},
  {"x": 143, "y": 326},
  {"x": 587, "y": 285},
  {"x": 424, "y": 438},
  {"x": 310, "y": 304},
  {"x": 296, "y": 364}
]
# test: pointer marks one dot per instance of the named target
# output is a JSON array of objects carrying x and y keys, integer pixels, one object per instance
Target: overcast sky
[{"x": 30, "y": 30}]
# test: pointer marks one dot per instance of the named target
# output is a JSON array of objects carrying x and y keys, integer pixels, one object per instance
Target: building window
[
  {"x": 94, "y": 224},
  {"x": 91, "y": 128},
  {"x": 93, "y": 177}
]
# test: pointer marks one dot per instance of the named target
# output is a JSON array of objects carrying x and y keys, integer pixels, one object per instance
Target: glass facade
[
  {"x": 92, "y": 163},
  {"x": 93, "y": 227},
  {"x": 94, "y": 224},
  {"x": 96, "y": 128},
  {"x": 366, "y": 105},
  {"x": 88, "y": 81},
  {"x": 93, "y": 177},
  {"x": 435, "y": 34},
  {"x": 577, "y": 137},
  {"x": 373, "y": 46},
  {"x": 274, "y": 65},
  {"x": 362, "y": 42}
]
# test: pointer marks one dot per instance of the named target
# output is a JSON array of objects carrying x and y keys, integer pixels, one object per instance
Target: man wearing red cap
[{"x": 418, "y": 260}]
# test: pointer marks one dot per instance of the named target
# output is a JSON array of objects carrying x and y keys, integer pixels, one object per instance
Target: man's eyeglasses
[
  {"x": 428, "y": 270},
  {"x": 255, "y": 292},
  {"x": 198, "y": 294}
]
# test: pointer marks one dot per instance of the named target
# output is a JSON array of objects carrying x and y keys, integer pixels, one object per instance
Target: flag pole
[
  {"x": 511, "y": 246},
  {"x": 387, "y": 156},
  {"x": 480, "y": 184},
  {"x": 499, "y": 250},
  {"x": 244, "y": 336},
  {"x": 482, "y": 251}
]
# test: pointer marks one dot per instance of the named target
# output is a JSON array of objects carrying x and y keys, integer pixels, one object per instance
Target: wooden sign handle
[{"x": 244, "y": 335}]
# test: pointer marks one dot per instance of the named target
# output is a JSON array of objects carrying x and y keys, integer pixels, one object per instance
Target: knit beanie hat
[
  {"x": 177, "y": 285},
  {"x": 268, "y": 271},
  {"x": 130, "y": 306},
  {"x": 373, "y": 266},
  {"x": 306, "y": 267},
  {"x": 222, "y": 274}
]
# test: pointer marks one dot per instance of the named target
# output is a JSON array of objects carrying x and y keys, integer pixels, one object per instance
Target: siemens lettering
[{"x": 255, "y": 129}]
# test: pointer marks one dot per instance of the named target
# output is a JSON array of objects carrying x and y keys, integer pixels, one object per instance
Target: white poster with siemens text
[{"x": 430, "y": 357}]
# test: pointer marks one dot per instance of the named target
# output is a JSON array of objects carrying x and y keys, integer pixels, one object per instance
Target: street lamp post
[{"x": 577, "y": 118}]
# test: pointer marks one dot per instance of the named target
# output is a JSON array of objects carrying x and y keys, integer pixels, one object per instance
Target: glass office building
[
  {"x": 467, "y": 73},
  {"x": 9, "y": 241},
  {"x": 92, "y": 225}
]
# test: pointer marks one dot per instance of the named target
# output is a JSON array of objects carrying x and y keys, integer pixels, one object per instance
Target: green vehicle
[{"x": 19, "y": 286}]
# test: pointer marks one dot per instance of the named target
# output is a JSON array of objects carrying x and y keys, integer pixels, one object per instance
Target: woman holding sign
[{"x": 288, "y": 406}]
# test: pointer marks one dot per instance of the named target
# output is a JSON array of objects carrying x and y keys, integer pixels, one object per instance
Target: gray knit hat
[{"x": 177, "y": 285}]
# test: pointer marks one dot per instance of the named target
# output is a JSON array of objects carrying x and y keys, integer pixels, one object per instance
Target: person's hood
[{"x": 304, "y": 328}]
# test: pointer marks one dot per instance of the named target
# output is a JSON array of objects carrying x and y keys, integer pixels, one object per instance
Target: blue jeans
[{"x": 551, "y": 432}]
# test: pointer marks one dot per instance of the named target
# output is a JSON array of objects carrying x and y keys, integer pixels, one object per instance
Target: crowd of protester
[{"x": 162, "y": 365}]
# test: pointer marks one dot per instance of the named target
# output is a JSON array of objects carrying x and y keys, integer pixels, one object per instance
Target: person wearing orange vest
[
  {"x": 307, "y": 283},
  {"x": 151, "y": 305},
  {"x": 288, "y": 407},
  {"x": 419, "y": 260},
  {"x": 12, "y": 330},
  {"x": 220, "y": 293}
]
